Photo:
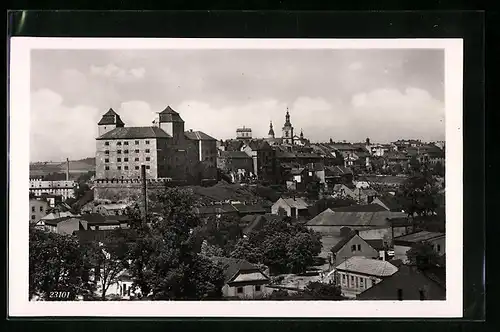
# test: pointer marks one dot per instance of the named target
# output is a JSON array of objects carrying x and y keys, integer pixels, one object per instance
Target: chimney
[
  {"x": 191, "y": 130},
  {"x": 144, "y": 193},
  {"x": 67, "y": 169}
]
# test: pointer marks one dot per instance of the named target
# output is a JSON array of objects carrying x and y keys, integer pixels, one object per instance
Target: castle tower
[
  {"x": 171, "y": 122},
  {"x": 287, "y": 129},
  {"x": 270, "y": 134},
  {"x": 109, "y": 121}
]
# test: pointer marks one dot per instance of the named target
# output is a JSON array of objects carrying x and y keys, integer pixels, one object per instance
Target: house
[
  {"x": 116, "y": 209},
  {"x": 96, "y": 221},
  {"x": 292, "y": 207},
  {"x": 38, "y": 209},
  {"x": 54, "y": 216},
  {"x": 371, "y": 224},
  {"x": 357, "y": 274},
  {"x": 123, "y": 288},
  {"x": 234, "y": 161},
  {"x": 242, "y": 279},
  {"x": 338, "y": 175},
  {"x": 352, "y": 245},
  {"x": 409, "y": 283},
  {"x": 65, "y": 225},
  {"x": 405, "y": 242}
]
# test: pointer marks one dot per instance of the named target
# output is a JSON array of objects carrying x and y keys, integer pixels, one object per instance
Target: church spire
[
  {"x": 301, "y": 134},
  {"x": 271, "y": 130},
  {"x": 287, "y": 118}
]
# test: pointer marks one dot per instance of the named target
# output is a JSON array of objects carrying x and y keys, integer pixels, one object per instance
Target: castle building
[
  {"x": 287, "y": 137},
  {"x": 166, "y": 150}
]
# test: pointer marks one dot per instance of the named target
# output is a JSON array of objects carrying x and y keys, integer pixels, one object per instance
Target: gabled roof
[
  {"x": 250, "y": 208},
  {"x": 331, "y": 218},
  {"x": 343, "y": 242},
  {"x": 418, "y": 237},
  {"x": 111, "y": 117},
  {"x": 377, "y": 244},
  {"x": 58, "y": 215},
  {"x": 367, "y": 266},
  {"x": 297, "y": 203},
  {"x": 233, "y": 266},
  {"x": 411, "y": 281},
  {"x": 198, "y": 136},
  {"x": 360, "y": 208},
  {"x": 258, "y": 144},
  {"x": 134, "y": 132},
  {"x": 169, "y": 115}
]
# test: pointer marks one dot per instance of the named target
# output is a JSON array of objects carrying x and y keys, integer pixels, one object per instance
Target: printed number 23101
[{"x": 59, "y": 295}]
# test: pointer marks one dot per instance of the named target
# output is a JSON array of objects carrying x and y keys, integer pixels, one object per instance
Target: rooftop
[
  {"x": 419, "y": 236},
  {"x": 111, "y": 117},
  {"x": 298, "y": 202},
  {"x": 96, "y": 218},
  {"x": 169, "y": 115},
  {"x": 134, "y": 132},
  {"x": 232, "y": 266},
  {"x": 331, "y": 218},
  {"x": 235, "y": 155},
  {"x": 372, "y": 267},
  {"x": 198, "y": 136}
]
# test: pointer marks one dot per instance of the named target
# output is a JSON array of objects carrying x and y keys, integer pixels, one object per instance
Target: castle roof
[
  {"x": 169, "y": 115},
  {"x": 134, "y": 132},
  {"x": 198, "y": 136},
  {"x": 111, "y": 117}
]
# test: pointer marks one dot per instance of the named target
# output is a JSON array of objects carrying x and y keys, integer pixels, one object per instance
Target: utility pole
[{"x": 144, "y": 194}]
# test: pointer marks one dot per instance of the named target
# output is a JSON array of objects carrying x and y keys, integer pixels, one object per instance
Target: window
[
  {"x": 106, "y": 160},
  {"x": 32, "y": 209},
  {"x": 106, "y": 152},
  {"x": 41, "y": 208},
  {"x": 136, "y": 151},
  {"x": 361, "y": 282},
  {"x": 148, "y": 159},
  {"x": 136, "y": 167},
  {"x": 125, "y": 159},
  {"x": 106, "y": 168},
  {"x": 126, "y": 167},
  {"x": 119, "y": 168},
  {"x": 353, "y": 248},
  {"x": 106, "y": 143},
  {"x": 147, "y": 142},
  {"x": 257, "y": 288},
  {"x": 400, "y": 294},
  {"x": 359, "y": 247},
  {"x": 119, "y": 143},
  {"x": 125, "y": 151},
  {"x": 125, "y": 143},
  {"x": 136, "y": 143},
  {"x": 148, "y": 167},
  {"x": 136, "y": 159},
  {"x": 119, "y": 159},
  {"x": 147, "y": 150},
  {"x": 119, "y": 151},
  {"x": 33, "y": 217},
  {"x": 357, "y": 282},
  {"x": 239, "y": 290},
  {"x": 343, "y": 278}
]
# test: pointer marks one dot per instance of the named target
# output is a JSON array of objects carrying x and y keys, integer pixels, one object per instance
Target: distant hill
[{"x": 75, "y": 167}]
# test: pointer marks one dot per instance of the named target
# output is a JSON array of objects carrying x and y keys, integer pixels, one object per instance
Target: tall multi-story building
[
  {"x": 66, "y": 189},
  {"x": 166, "y": 150}
]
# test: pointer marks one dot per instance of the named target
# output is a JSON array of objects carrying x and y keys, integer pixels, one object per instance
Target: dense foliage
[
  {"x": 313, "y": 291},
  {"x": 281, "y": 245},
  {"x": 423, "y": 256}
]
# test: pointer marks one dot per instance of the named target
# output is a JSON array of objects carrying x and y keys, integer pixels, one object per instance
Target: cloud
[
  {"x": 355, "y": 66},
  {"x": 113, "y": 71},
  {"x": 388, "y": 114},
  {"x": 58, "y": 131},
  {"x": 136, "y": 113}
]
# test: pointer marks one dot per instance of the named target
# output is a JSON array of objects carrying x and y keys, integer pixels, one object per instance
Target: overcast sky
[{"x": 340, "y": 94}]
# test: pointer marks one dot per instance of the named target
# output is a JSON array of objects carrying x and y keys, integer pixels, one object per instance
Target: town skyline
[{"x": 349, "y": 95}]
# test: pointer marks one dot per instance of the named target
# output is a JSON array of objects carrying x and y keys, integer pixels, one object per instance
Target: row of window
[
  {"x": 125, "y": 167},
  {"x": 356, "y": 282},
  {"x": 353, "y": 248},
  {"x": 33, "y": 209},
  {"x": 126, "y": 151},
  {"x": 125, "y": 143},
  {"x": 239, "y": 290},
  {"x": 106, "y": 160}
]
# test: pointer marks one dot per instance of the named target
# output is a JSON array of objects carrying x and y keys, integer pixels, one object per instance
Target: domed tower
[
  {"x": 270, "y": 134},
  {"x": 109, "y": 121},
  {"x": 287, "y": 129}
]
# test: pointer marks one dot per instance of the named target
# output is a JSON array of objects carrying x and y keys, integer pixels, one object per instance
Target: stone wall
[{"x": 129, "y": 190}]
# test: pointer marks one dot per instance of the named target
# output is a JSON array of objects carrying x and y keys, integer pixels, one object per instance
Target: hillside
[{"x": 75, "y": 166}]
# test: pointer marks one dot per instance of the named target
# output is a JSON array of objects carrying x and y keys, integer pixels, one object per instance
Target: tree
[
  {"x": 166, "y": 263},
  {"x": 57, "y": 263},
  {"x": 319, "y": 290},
  {"x": 423, "y": 256},
  {"x": 281, "y": 245},
  {"x": 223, "y": 232},
  {"x": 313, "y": 189},
  {"x": 418, "y": 194},
  {"x": 80, "y": 190}
]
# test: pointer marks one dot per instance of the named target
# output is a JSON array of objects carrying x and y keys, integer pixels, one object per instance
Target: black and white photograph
[{"x": 294, "y": 177}]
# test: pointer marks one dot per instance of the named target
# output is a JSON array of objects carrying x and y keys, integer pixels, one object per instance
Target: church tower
[
  {"x": 270, "y": 134},
  {"x": 109, "y": 121},
  {"x": 287, "y": 130}
]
